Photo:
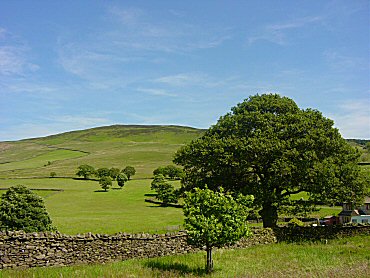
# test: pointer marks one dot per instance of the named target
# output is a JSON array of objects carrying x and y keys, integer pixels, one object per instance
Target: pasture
[{"x": 83, "y": 207}]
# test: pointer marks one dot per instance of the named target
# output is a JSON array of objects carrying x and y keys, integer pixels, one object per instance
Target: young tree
[
  {"x": 121, "y": 179},
  {"x": 160, "y": 171},
  {"x": 105, "y": 182},
  {"x": 114, "y": 172},
  {"x": 21, "y": 209},
  {"x": 53, "y": 174},
  {"x": 269, "y": 148},
  {"x": 85, "y": 171},
  {"x": 129, "y": 171},
  {"x": 166, "y": 193},
  {"x": 102, "y": 172},
  {"x": 157, "y": 181},
  {"x": 214, "y": 219}
]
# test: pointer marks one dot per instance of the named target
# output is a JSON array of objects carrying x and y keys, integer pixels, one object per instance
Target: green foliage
[
  {"x": 157, "y": 182},
  {"x": 102, "y": 172},
  {"x": 295, "y": 222},
  {"x": 214, "y": 219},
  {"x": 21, "y": 209},
  {"x": 269, "y": 148},
  {"x": 53, "y": 174},
  {"x": 160, "y": 171},
  {"x": 129, "y": 171},
  {"x": 166, "y": 193},
  {"x": 114, "y": 172},
  {"x": 105, "y": 182},
  {"x": 85, "y": 171},
  {"x": 121, "y": 179},
  {"x": 169, "y": 171}
]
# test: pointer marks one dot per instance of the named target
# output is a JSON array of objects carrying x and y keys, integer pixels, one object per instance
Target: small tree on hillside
[
  {"x": 114, "y": 172},
  {"x": 21, "y": 209},
  {"x": 129, "y": 171},
  {"x": 157, "y": 182},
  {"x": 85, "y": 171},
  {"x": 174, "y": 172},
  {"x": 121, "y": 179},
  {"x": 105, "y": 183},
  {"x": 160, "y": 171},
  {"x": 213, "y": 219},
  {"x": 166, "y": 193},
  {"x": 102, "y": 172}
]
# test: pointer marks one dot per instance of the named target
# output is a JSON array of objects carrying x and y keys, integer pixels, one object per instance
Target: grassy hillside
[{"x": 144, "y": 147}]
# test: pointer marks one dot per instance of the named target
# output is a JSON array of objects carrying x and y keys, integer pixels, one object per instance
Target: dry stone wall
[{"x": 18, "y": 249}]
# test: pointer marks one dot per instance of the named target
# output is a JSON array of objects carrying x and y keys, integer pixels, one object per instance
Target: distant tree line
[{"x": 106, "y": 175}]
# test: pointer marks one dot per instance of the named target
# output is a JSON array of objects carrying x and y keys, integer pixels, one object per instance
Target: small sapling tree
[
  {"x": 214, "y": 219},
  {"x": 166, "y": 193},
  {"x": 129, "y": 171},
  {"x": 105, "y": 183},
  {"x": 21, "y": 209},
  {"x": 157, "y": 182},
  {"x": 121, "y": 179},
  {"x": 85, "y": 171}
]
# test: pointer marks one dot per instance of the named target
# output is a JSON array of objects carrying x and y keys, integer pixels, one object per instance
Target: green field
[
  {"x": 348, "y": 257},
  {"x": 84, "y": 207}
]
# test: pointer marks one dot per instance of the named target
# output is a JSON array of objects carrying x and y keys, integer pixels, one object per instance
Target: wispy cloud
[
  {"x": 141, "y": 31},
  {"x": 13, "y": 53},
  {"x": 344, "y": 62},
  {"x": 278, "y": 33},
  {"x": 156, "y": 92}
]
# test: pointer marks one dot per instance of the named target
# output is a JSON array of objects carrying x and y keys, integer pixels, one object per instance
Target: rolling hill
[{"x": 144, "y": 147}]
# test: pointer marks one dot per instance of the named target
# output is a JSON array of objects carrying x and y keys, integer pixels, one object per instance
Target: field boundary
[{"x": 22, "y": 250}]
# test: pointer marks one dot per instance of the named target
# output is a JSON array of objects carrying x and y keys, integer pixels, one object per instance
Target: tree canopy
[
  {"x": 129, "y": 171},
  {"x": 85, "y": 171},
  {"x": 270, "y": 148},
  {"x": 21, "y": 209},
  {"x": 213, "y": 219}
]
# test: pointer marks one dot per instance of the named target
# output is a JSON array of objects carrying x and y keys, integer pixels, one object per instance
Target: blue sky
[{"x": 67, "y": 65}]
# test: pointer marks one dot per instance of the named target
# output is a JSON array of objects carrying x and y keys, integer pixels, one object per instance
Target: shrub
[{"x": 21, "y": 209}]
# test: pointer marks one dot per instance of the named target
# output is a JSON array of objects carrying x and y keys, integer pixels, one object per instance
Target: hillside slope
[{"x": 144, "y": 147}]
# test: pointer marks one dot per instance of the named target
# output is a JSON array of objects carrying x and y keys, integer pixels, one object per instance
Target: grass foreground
[{"x": 348, "y": 257}]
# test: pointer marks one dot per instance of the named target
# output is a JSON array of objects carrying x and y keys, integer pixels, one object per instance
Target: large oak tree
[{"x": 270, "y": 148}]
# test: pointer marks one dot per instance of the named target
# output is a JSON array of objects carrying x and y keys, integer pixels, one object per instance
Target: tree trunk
[
  {"x": 209, "y": 265},
  {"x": 269, "y": 215}
]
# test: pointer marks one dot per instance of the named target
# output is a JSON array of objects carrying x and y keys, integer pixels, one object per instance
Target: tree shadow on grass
[
  {"x": 100, "y": 190},
  {"x": 179, "y": 268},
  {"x": 150, "y": 194}
]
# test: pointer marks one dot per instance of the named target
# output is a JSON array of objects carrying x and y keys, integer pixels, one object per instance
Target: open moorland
[{"x": 80, "y": 205}]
